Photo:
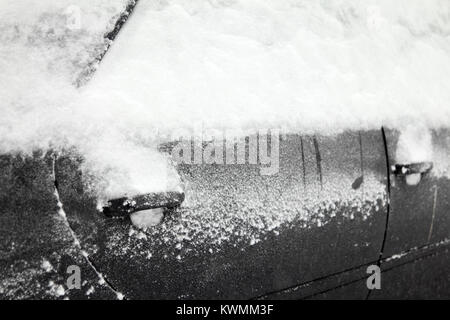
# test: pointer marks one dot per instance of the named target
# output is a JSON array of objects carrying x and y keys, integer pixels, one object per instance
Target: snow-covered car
[{"x": 224, "y": 150}]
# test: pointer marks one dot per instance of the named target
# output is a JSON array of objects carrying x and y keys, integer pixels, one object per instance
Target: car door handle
[{"x": 412, "y": 172}]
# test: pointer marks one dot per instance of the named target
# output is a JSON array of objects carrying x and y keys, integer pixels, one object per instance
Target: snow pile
[
  {"x": 414, "y": 145},
  {"x": 302, "y": 65},
  {"x": 306, "y": 66}
]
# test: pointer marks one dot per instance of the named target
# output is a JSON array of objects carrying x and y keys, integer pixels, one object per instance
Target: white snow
[
  {"x": 146, "y": 218},
  {"x": 41, "y": 57},
  {"x": 413, "y": 179},
  {"x": 46, "y": 265},
  {"x": 414, "y": 145},
  {"x": 304, "y": 65},
  {"x": 56, "y": 290},
  {"x": 90, "y": 291}
]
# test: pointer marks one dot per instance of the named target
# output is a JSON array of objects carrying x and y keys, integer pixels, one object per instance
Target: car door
[
  {"x": 244, "y": 235},
  {"x": 415, "y": 263}
]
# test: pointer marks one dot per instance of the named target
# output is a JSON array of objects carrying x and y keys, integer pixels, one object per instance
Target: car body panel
[
  {"x": 36, "y": 247},
  {"x": 231, "y": 251},
  {"x": 419, "y": 213},
  {"x": 310, "y": 254}
]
